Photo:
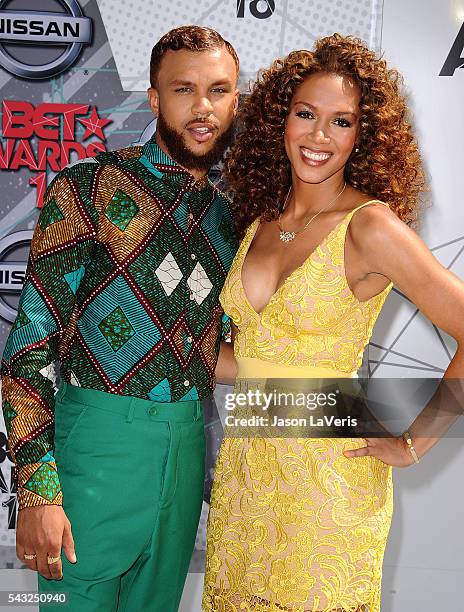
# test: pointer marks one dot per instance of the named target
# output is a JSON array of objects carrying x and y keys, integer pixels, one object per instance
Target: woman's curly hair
[{"x": 388, "y": 164}]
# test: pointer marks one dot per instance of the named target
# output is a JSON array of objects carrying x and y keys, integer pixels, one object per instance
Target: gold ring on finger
[
  {"x": 29, "y": 557},
  {"x": 51, "y": 560}
]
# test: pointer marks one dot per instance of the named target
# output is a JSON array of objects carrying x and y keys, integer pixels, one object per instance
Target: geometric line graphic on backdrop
[{"x": 410, "y": 362}]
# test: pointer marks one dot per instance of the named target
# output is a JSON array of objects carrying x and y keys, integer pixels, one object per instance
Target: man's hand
[{"x": 43, "y": 531}]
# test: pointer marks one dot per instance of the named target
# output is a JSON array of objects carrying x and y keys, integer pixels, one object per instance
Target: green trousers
[{"x": 132, "y": 474}]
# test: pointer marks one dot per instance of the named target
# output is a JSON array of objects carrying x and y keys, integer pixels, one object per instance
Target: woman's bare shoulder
[{"x": 375, "y": 224}]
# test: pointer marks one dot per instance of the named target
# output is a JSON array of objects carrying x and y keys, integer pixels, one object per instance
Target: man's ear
[
  {"x": 236, "y": 101},
  {"x": 153, "y": 99}
]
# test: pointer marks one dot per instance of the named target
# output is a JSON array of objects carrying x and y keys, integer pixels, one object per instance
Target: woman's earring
[{"x": 356, "y": 150}]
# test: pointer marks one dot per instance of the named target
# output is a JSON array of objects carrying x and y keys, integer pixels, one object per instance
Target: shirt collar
[{"x": 164, "y": 164}]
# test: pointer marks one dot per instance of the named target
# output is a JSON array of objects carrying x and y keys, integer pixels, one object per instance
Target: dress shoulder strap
[
  {"x": 350, "y": 214},
  {"x": 251, "y": 228},
  {"x": 344, "y": 224}
]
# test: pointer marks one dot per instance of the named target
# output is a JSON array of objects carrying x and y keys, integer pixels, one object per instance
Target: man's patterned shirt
[{"x": 126, "y": 265}]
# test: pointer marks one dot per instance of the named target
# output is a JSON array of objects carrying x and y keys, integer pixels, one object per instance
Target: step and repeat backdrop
[{"x": 73, "y": 79}]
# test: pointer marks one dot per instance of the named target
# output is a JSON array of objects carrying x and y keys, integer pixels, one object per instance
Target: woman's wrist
[{"x": 407, "y": 439}]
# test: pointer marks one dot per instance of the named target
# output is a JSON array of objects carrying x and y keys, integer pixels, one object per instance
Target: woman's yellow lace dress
[{"x": 293, "y": 524}]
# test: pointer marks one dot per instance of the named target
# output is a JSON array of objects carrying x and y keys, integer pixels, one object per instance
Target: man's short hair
[{"x": 192, "y": 38}]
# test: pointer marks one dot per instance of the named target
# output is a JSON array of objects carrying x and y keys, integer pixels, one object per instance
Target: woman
[{"x": 327, "y": 172}]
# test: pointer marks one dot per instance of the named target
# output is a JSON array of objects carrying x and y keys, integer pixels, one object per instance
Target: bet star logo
[{"x": 94, "y": 125}]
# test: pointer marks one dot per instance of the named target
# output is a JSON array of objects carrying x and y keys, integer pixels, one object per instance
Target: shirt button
[
  {"x": 192, "y": 297},
  {"x": 186, "y": 383},
  {"x": 189, "y": 339},
  {"x": 152, "y": 411},
  {"x": 193, "y": 256}
]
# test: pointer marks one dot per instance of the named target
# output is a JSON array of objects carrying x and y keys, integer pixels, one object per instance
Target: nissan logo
[{"x": 24, "y": 28}]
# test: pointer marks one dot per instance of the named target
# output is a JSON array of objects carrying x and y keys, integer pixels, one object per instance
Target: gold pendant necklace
[{"x": 287, "y": 236}]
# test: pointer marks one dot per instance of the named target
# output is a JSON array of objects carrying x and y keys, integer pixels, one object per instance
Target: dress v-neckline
[
  {"x": 297, "y": 269},
  {"x": 302, "y": 265}
]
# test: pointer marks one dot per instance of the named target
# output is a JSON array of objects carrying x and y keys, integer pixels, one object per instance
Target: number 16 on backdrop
[{"x": 261, "y": 9}]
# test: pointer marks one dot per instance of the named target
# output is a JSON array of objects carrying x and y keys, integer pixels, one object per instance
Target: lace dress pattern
[{"x": 294, "y": 525}]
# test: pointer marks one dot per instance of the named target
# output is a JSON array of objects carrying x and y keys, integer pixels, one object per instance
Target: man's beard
[{"x": 179, "y": 151}]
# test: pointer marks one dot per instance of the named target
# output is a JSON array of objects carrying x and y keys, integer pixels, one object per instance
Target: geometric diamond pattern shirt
[{"x": 126, "y": 265}]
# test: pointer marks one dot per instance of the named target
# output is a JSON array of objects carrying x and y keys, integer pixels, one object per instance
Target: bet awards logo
[
  {"x": 26, "y": 33},
  {"x": 261, "y": 9},
  {"x": 455, "y": 57}
]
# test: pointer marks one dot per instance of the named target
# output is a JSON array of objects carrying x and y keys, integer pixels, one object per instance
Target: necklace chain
[{"x": 287, "y": 236}]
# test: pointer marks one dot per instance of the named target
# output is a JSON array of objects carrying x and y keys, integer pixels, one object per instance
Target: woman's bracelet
[{"x": 407, "y": 438}]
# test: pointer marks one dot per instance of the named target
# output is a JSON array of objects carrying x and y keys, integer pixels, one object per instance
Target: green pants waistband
[{"x": 132, "y": 407}]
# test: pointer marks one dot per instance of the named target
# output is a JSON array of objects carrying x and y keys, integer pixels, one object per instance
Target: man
[{"x": 127, "y": 263}]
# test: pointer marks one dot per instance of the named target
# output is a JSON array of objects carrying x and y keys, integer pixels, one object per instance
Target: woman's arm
[
  {"x": 388, "y": 247},
  {"x": 226, "y": 367}
]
